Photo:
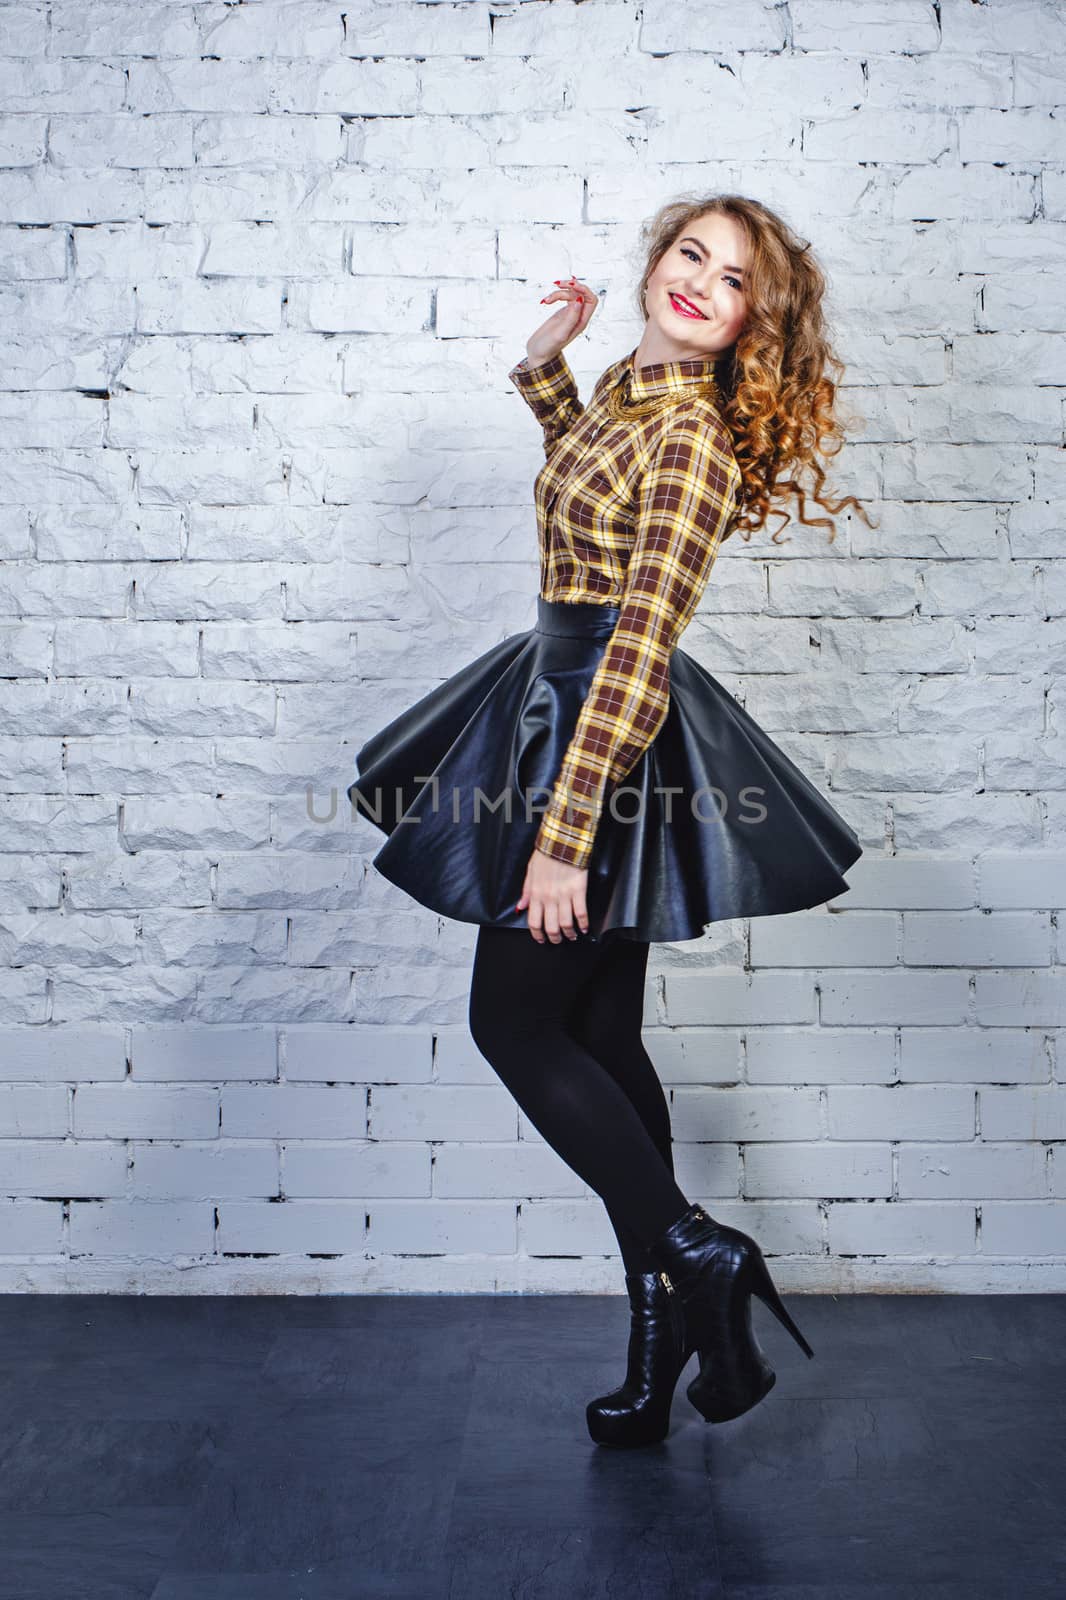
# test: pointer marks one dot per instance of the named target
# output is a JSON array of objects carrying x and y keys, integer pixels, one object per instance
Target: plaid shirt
[{"x": 629, "y": 514}]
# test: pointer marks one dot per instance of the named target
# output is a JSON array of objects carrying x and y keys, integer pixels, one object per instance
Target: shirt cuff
[
  {"x": 549, "y": 381},
  {"x": 567, "y": 832}
]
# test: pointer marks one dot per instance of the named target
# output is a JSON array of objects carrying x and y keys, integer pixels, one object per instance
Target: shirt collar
[{"x": 661, "y": 376}]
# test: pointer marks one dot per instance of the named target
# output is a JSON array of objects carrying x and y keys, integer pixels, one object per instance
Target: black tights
[{"x": 560, "y": 1024}]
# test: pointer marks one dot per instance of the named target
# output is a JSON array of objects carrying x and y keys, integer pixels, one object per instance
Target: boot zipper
[{"x": 677, "y": 1313}]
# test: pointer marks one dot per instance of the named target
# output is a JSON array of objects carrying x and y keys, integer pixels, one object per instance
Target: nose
[{"x": 701, "y": 283}]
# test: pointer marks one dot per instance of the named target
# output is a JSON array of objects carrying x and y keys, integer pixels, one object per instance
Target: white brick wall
[{"x": 251, "y": 257}]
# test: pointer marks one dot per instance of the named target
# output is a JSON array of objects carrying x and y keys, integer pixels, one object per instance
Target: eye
[{"x": 687, "y": 250}]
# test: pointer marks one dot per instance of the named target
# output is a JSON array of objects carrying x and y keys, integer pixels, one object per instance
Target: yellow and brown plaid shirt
[{"x": 629, "y": 514}]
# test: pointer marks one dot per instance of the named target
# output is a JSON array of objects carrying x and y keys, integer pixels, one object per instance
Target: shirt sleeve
[
  {"x": 550, "y": 391},
  {"x": 685, "y": 503}
]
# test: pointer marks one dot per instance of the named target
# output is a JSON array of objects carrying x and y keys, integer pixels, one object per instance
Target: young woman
[{"x": 667, "y": 806}]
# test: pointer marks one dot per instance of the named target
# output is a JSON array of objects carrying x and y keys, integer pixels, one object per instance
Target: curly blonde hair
[{"x": 778, "y": 399}]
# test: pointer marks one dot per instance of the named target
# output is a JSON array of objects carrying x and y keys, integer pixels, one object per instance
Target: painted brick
[
  {"x": 495, "y": 1171},
  {"x": 901, "y": 1229},
  {"x": 141, "y": 1230},
  {"x": 820, "y": 1055},
  {"x": 973, "y": 1055},
  {"x": 781, "y": 1228},
  {"x": 737, "y": 1114},
  {"x": 355, "y": 1169},
  {"x": 781, "y": 1171},
  {"x": 976, "y": 1171},
  {"x": 442, "y": 1111},
  {"x": 1022, "y": 1230},
  {"x": 896, "y": 1113},
  {"x": 1032, "y": 1114}
]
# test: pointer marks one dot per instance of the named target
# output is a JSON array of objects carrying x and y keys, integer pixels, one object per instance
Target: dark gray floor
[{"x": 434, "y": 1448}]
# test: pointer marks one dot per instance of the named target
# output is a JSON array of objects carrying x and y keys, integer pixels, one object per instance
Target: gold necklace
[{"x": 632, "y": 411}]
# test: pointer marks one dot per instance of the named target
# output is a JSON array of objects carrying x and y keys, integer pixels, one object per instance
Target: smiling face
[{"x": 695, "y": 297}]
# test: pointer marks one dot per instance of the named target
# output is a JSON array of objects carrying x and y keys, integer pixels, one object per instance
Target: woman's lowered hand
[{"x": 555, "y": 895}]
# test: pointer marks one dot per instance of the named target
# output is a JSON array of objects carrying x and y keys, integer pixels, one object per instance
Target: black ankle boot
[
  {"x": 639, "y": 1412},
  {"x": 716, "y": 1269}
]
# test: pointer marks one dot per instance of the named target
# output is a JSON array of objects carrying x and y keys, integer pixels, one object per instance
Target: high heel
[
  {"x": 766, "y": 1290},
  {"x": 638, "y": 1413},
  {"x": 716, "y": 1269}
]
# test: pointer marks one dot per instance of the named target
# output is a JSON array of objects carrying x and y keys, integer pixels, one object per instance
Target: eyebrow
[{"x": 688, "y": 239}]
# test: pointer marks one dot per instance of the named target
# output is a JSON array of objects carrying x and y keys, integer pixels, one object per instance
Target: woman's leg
[
  {"x": 522, "y": 998},
  {"x": 607, "y": 1019}
]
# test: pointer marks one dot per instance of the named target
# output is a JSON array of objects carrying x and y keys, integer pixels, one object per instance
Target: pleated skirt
[{"x": 713, "y": 822}]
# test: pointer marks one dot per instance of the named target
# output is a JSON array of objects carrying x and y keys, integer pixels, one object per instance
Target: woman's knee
[
  {"x": 498, "y": 1022},
  {"x": 622, "y": 1052},
  {"x": 608, "y": 1036}
]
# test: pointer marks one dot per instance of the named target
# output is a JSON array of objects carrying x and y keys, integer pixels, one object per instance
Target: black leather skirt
[{"x": 713, "y": 822}]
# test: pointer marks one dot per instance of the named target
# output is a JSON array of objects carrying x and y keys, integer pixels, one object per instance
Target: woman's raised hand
[{"x": 564, "y": 325}]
